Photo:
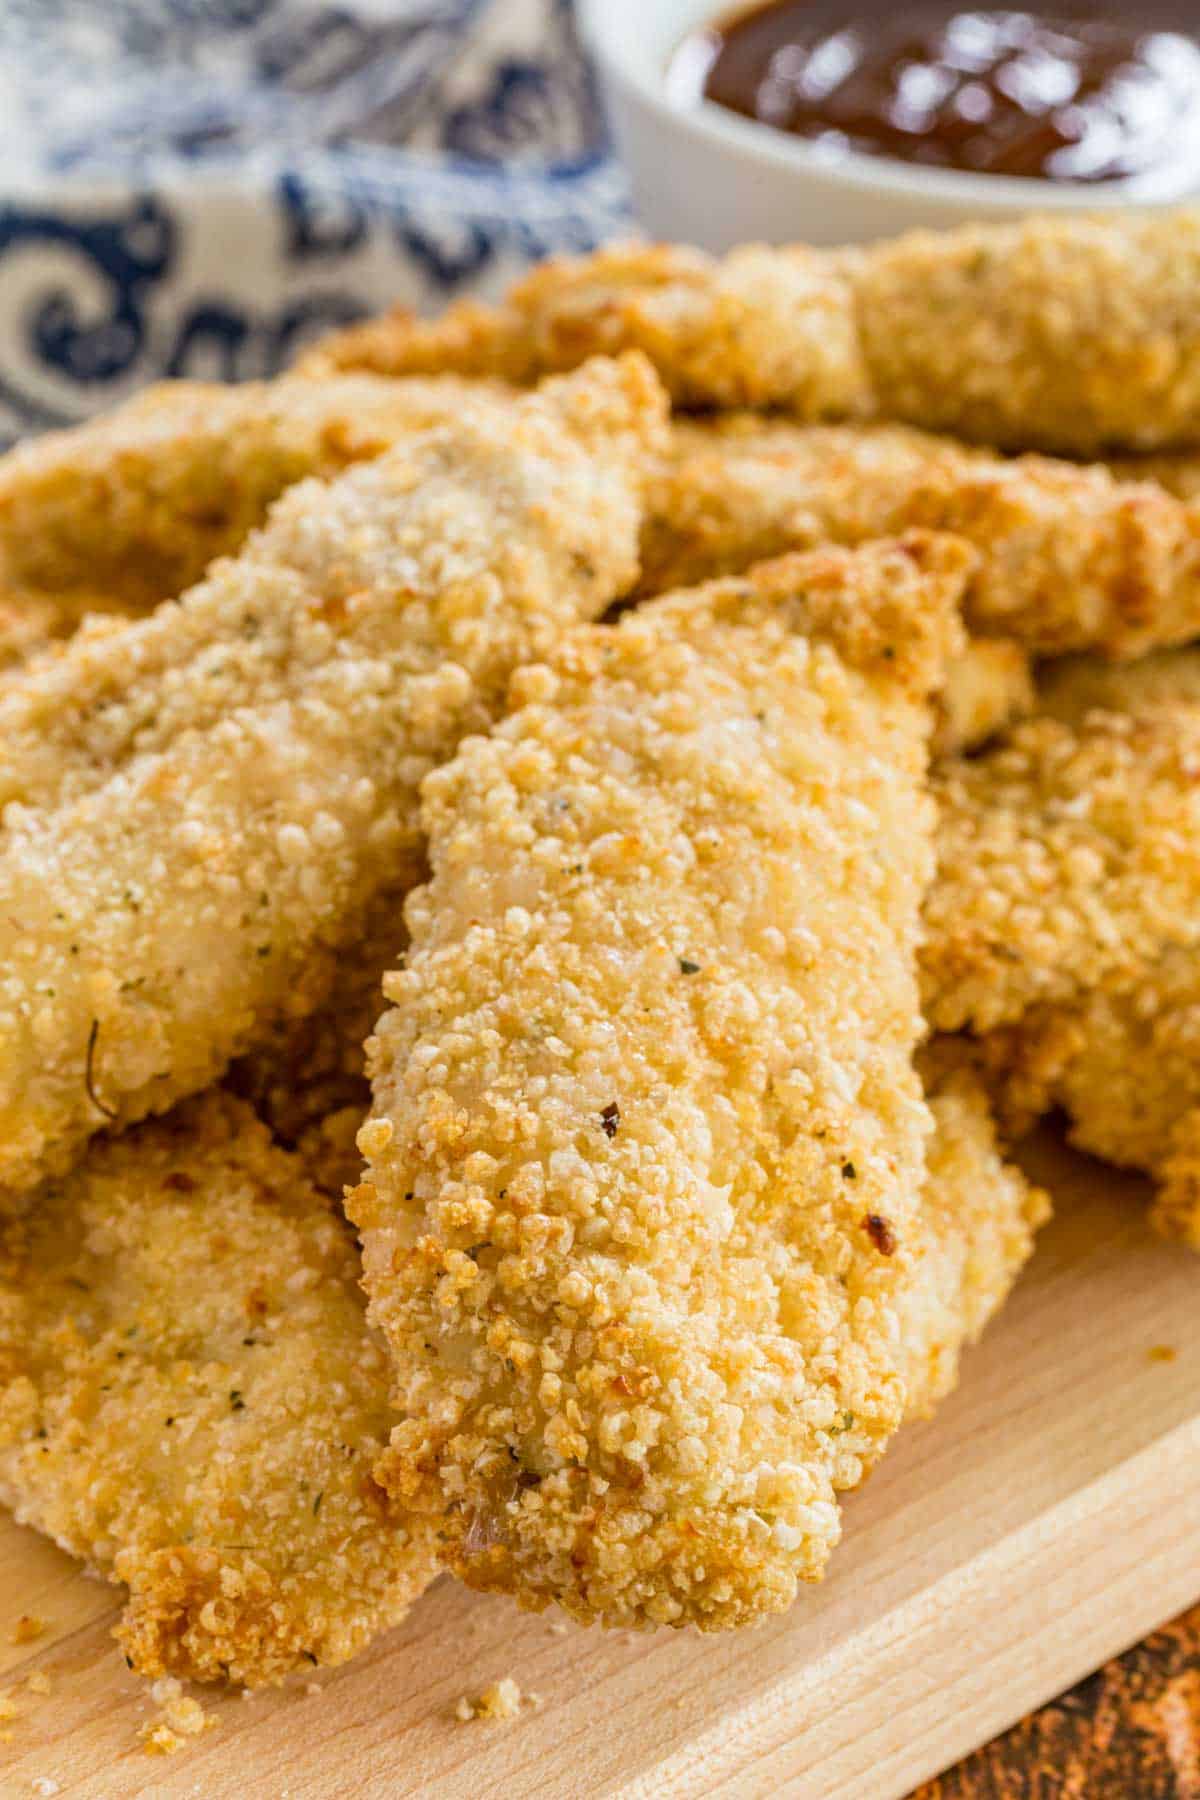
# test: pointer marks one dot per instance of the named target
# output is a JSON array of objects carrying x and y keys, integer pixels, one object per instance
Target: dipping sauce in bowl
[{"x": 1072, "y": 93}]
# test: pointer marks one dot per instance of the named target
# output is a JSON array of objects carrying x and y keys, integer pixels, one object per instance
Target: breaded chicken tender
[
  {"x": 1073, "y": 335},
  {"x": 200, "y": 807},
  {"x": 759, "y": 328},
  {"x": 979, "y": 1217},
  {"x": 131, "y": 508},
  {"x": 1069, "y": 334},
  {"x": 191, "y": 1401},
  {"x": 1068, "y": 861},
  {"x": 647, "y": 1142},
  {"x": 1069, "y": 558}
]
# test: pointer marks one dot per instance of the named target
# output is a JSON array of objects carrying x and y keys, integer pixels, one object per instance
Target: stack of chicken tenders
[{"x": 545, "y": 855}]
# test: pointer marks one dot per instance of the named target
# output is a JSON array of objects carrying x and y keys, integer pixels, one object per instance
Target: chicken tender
[
  {"x": 980, "y": 1215},
  {"x": 200, "y": 807},
  {"x": 760, "y": 328},
  {"x": 131, "y": 508},
  {"x": 1073, "y": 335},
  {"x": 1069, "y": 334},
  {"x": 1069, "y": 558},
  {"x": 647, "y": 1142},
  {"x": 1068, "y": 861},
  {"x": 191, "y": 1401}
]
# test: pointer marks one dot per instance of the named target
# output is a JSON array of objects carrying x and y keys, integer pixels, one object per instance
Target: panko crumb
[
  {"x": 46, "y": 1786},
  {"x": 500, "y": 1700},
  {"x": 38, "y": 1682},
  {"x": 1162, "y": 1353},
  {"x": 180, "y": 1717},
  {"x": 9, "y": 1709},
  {"x": 28, "y": 1627}
]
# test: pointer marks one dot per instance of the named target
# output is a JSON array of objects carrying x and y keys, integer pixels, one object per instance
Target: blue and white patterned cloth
[{"x": 196, "y": 187}]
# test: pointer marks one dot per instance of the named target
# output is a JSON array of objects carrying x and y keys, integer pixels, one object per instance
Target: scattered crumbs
[
  {"x": 38, "y": 1682},
  {"x": 180, "y": 1717},
  {"x": 28, "y": 1627},
  {"x": 46, "y": 1784},
  {"x": 9, "y": 1709},
  {"x": 313, "y": 1687},
  {"x": 559, "y": 1627},
  {"x": 1162, "y": 1353},
  {"x": 499, "y": 1701}
]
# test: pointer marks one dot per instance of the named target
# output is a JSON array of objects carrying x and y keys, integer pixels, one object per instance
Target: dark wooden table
[{"x": 1130, "y": 1732}]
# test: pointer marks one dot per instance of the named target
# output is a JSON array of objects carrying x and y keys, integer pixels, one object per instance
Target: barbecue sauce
[{"x": 1075, "y": 93}]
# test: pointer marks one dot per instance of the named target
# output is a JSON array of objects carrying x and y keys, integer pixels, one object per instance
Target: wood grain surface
[
  {"x": 1129, "y": 1732},
  {"x": 1044, "y": 1522}
]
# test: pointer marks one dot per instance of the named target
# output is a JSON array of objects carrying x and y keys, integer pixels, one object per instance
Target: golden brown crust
[
  {"x": 1068, "y": 860},
  {"x": 191, "y": 1401},
  {"x": 1063, "y": 925},
  {"x": 647, "y": 1141},
  {"x": 1068, "y": 334},
  {"x": 760, "y": 327},
  {"x": 1069, "y": 558},
  {"x": 136, "y": 504},
  {"x": 200, "y": 806}
]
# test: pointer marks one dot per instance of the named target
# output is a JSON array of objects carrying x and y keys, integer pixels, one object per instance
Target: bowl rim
[{"x": 631, "y": 61}]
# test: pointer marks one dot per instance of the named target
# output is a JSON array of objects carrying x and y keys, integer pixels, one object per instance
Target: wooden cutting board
[{"x": 1048, "y": 1518}]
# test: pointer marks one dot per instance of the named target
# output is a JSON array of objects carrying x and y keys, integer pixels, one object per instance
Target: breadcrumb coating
[
  {"x": 199, "y": 807},
  {"x": 979, "y": 1217},
  {"x": 1068, "y": 334},
  {"x": 134, "y": 505},
  {"x": 1069, "y": 557},
  {"x": 191, "y": 1400},
  {"x": 647, "y": 1142},
  {"x": 758, "y": 328},
  {"x": 1068, "y": 861},
  {"x": 1116, "y": 1044}
]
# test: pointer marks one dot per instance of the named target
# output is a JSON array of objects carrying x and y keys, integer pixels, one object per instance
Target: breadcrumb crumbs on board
[
  {"x": 46, "y": 1785},
  {"x": 38, "y": 1682},
  {"x": 1162, "y": 1353},
  {"x": 500, "y": 1700},
  {"x": 180, "y": 1717},
  {"x": 28, "y": 1627}
]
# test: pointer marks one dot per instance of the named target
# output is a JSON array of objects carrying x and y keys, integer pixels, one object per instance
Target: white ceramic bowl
[{"x": 704, "y": 175}]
